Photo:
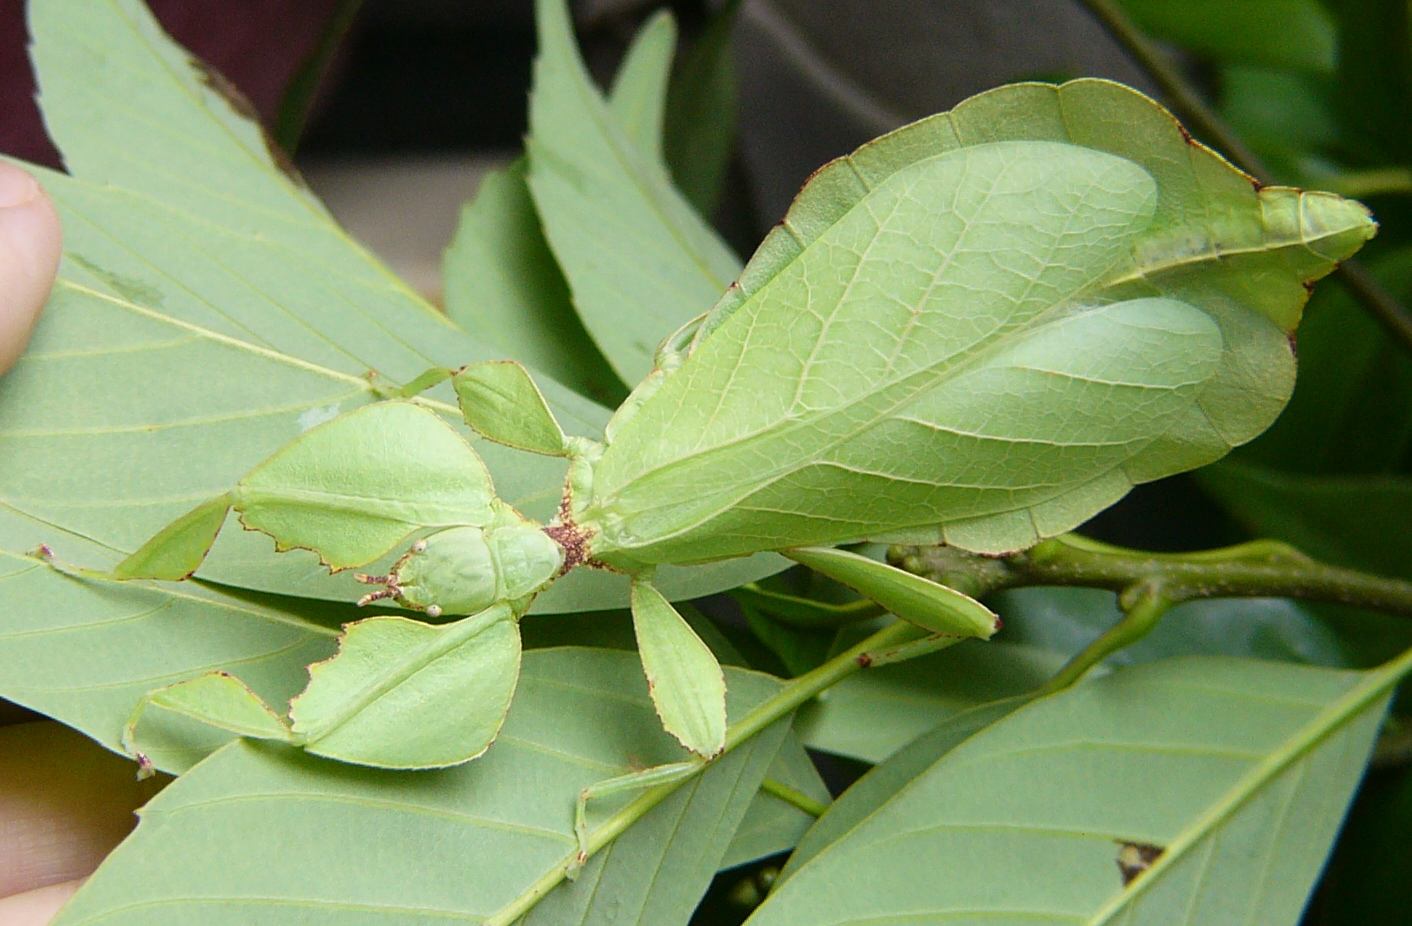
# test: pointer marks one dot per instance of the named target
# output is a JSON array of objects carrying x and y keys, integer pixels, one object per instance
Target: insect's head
[{"x": 464, "y": 570}]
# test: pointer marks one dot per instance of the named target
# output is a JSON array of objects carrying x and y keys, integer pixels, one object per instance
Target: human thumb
[{"x": 30, "y": 243}]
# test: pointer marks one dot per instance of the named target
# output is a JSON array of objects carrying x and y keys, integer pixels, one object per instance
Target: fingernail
[{"x": 16, "y": 187}]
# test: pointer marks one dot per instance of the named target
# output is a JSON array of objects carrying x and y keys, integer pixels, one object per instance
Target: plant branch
[
  {"x": 779, "y": 705},
  {"x": 1261, "y": 569},
  {"x": 1139, "y": 618},
  {"x": 798, "y": 798},
  {"x": 1207, "y": 124}
]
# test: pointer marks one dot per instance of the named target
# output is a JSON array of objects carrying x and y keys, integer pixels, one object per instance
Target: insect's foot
[{"x": 390, "y": 588}]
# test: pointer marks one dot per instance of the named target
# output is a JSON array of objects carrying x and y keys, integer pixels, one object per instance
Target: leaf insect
[{"x": 974, "y": 330}]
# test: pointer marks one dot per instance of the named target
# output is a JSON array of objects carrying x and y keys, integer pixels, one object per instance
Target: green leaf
[
  {"x": 85, "y": 652},
  {"x": 927, "y": 604},
  {"x": 1352, "y": 406},
  {"x": 1296, "y": 34},
  {"x": 772, "y": 825},
  {"x": 504, "y": 287},
  {"x": 638, "y": 259},
  {"x": 404, "y": 694},
  {"x": 1065, "y": 620},
  {"x": 500, "y": 401},
  {"x": 1028, "y": 817},
  {"x": 1079, "y": 319},
  {"x": 1356, "y": 521},
  {"x": 683, "y": 677},
  {"x": 501, "y": 280},
  {"x": 894, "y": 773},
  {"x": 871, "y": 715},
  {"x": 335, "y": 843},
  {"x": 701, "y": 112},
  {"x": 638, "y": 97}
]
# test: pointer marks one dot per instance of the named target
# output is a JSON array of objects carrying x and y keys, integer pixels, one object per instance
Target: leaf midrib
[{"x": 1324, "y": 724}]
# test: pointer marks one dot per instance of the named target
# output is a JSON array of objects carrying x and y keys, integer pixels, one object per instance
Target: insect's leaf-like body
[{"x": 981, "y": 329}]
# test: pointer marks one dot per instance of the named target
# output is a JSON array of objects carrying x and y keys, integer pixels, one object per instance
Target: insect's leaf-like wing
[
  {"x": 331, "y": 842},
  {"x": 1225, "y": 779},
  {"x": 404, "y": 694},
  {"x": 982, "y": 329}
]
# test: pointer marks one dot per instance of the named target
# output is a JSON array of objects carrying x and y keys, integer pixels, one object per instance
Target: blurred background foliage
[{"x": 399, "y": 106}]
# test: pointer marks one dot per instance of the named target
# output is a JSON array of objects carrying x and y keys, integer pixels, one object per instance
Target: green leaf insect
[{"x": 980, "y": 329}]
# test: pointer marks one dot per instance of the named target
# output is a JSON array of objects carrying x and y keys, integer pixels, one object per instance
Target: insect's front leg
[
  {"x": 633, "y": 781},
  {"x": 384, "y": 388}
]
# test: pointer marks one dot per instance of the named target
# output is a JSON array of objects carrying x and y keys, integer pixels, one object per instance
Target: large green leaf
[
  {"x": 772, "y": 824},
  {"x": 893, "y": 774},
  {"x": 638, "y": 258},
  {"x": 501, "y": 280},
  {"x": 638, "y": 97},
  {"x": 503, "y": 286},
  {"x": 86, "y": 651},
  {"x": 1351, "y": 411},
  {"x": 208, "y": 309},
  {"x": 324, "y": 842},
  {"x": 701, "y": 112},
  {"x": 873, "y": 714},
  {"x": 1080, "y": 315},
  {"x": 1296, "y": 34},
  {"x": 208, "y": 312},
  {"x": 1235, "y": 773},
  {"x": 1357, "y": 521}
]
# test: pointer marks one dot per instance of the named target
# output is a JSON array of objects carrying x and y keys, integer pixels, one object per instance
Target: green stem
[
  {"x": 794, "y": 796},
  {"x": 779, "y": 705},
  {"x": 1141, "y": 617},
  {"x": 1264, "y": 569},
  {"x": 1204, "y": 121},
  {"x": 805, "y": 613}
]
